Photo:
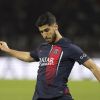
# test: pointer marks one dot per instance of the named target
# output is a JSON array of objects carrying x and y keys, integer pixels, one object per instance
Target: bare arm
[
  {"x": 93, "y": 68},
  {"x": 24, "y": 56}
]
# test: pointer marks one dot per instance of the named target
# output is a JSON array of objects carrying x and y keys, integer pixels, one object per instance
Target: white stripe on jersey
[{"x": 59, "y": 62}]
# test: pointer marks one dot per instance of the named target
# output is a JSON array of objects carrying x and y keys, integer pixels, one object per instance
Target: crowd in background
[{"x": 78, "y": 20}]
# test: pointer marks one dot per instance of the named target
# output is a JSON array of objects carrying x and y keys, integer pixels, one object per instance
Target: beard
[{"x": 51, "y": 39}]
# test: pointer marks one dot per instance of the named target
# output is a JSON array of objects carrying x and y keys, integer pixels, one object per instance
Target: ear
[{"x": 56, "y": 26}]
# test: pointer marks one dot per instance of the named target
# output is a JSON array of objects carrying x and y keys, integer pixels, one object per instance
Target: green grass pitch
[{"x": 24, "y": 89}]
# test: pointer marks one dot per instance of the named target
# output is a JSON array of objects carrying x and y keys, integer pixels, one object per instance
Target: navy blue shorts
[{"x": 65, "y": 97}]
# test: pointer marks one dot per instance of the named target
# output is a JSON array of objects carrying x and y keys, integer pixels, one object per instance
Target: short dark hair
[{"x": 46, "y": 18}]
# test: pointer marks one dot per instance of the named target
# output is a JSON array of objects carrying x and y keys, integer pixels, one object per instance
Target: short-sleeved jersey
[{"x": 55, "y": 64}]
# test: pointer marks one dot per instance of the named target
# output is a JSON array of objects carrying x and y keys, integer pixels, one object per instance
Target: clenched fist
[{"x": 4, "y": 47}]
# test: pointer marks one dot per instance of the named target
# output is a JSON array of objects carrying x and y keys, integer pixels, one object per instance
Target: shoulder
[
  {"x": 64, "y": 42},
  {"x": 71, "y": 43},
  {"x": 73, "y": 48},
  {"x": 42, "y": 45}
]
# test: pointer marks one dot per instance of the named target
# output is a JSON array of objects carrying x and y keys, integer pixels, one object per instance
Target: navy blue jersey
[{"x": 56, "y": 62}]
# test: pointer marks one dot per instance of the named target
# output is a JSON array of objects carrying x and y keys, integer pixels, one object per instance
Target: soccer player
[{"x": 57, "y": 57}]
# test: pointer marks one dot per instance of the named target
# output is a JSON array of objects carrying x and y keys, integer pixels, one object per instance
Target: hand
[{"x": 4, "y": 47}]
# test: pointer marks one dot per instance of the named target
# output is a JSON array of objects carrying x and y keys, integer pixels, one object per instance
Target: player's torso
[
  {"x": 54, "y": 63},
  {"x": 54, "y": 69}
]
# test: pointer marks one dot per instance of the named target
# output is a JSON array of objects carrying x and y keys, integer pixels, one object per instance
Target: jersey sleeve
[
  {"x": 34, "y": 54},
  {"x": 77, "y": 54}
]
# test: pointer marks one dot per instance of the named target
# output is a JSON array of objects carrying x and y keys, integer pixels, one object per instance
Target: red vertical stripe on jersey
[{"x": 51, "y": 69}]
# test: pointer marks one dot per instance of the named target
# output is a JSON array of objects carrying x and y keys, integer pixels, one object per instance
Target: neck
[{"x": 58, "y": 36}]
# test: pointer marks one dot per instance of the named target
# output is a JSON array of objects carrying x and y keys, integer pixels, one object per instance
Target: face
[{"x": 48, "y": 32}]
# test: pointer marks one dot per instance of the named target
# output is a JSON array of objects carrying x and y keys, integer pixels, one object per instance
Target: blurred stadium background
[{"x": 78, "y": 20}]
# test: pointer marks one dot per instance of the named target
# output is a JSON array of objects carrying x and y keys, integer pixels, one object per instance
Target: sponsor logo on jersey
[
  {"x": 46, "y": 61},
  {"x": 83, "y": 56}
]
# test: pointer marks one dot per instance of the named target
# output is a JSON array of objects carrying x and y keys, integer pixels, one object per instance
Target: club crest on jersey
[{"x": 56, "y": 51}]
